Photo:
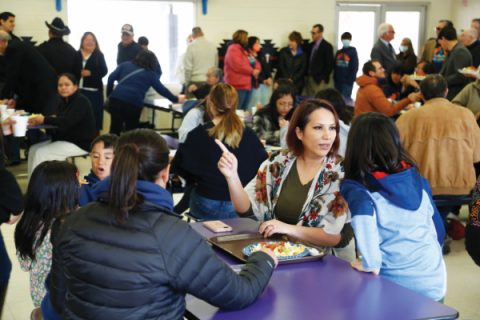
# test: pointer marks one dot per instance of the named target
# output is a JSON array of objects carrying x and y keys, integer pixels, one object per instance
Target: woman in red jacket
[{"x": 238, "y": 69}]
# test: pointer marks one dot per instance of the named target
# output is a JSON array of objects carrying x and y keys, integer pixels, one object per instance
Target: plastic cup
[{"x": 20, "y": 125}]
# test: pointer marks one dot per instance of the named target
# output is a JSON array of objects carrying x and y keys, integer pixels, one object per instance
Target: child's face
[
  {"x": 101, "y": 160},
  {"x": 396, "y": 77}
]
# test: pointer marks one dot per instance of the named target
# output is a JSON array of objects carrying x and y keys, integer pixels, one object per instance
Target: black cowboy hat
[{"x": 58, "y": 26}]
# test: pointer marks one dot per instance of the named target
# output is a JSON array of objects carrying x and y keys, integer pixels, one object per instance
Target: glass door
[
  {"x": 408, "y": 23},
  {"x": 361, "y": 21}
]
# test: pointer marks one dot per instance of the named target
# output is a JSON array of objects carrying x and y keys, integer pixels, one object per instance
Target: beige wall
[
  {"x": 275, "y": 19},
  {"x": 31, "y": 16},
  {"x": 270, "y": 19},
  {"x": 463, "y": 11}
]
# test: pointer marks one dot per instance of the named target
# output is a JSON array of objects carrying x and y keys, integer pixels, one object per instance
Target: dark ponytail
[
  {"x": 140, "y": 155},
  {"x": 123, "y": 190}
]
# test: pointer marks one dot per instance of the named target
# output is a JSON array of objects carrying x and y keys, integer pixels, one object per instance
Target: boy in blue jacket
[
  {"x": 346, "y": 66},
  {"x": 102, "y": 152}
]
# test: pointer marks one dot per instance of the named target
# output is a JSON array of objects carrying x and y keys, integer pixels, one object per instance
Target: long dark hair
[
  {"x": 271, "y": 109},
  {"x": 140, "y": 155},
  {"x": 53, "y": 192},
  {"x": 251, "y": 42},
  {"x": 373, "y": 145}
]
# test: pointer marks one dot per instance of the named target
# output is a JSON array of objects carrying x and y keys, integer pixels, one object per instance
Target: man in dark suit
[
  {"x": 383, "y": 51},
  {"x": 320, "y": 62}
]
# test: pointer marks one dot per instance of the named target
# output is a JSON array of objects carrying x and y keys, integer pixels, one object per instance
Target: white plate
[
  {"x": 472, "y": 72},
  {"x": 417, "y": 77}
]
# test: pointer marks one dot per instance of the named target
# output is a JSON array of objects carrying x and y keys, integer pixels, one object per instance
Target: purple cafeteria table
[{"x": 324, "y": 289}]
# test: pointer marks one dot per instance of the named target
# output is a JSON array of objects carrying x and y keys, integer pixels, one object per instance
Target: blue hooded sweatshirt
[
  {"x": 86, "y": 190},
  {"x": 150, "y": 191},
  {"x": 399, "y": 230},
  {"x": 346, "y": 66}
]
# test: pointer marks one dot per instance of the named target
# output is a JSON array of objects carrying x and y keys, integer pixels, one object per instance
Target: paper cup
[{"x": 20, "y": 126}]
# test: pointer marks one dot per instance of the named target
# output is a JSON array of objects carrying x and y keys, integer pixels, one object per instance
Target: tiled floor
[{"x": 463, "y": 274}]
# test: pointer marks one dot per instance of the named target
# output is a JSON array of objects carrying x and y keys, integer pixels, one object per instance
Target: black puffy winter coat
[{"x": 142, "y": 269}]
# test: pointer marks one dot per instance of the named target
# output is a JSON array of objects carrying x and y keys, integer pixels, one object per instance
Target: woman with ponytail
[
  {"x": 128, "y": 256},
  {"x": 196, "y": 159}
]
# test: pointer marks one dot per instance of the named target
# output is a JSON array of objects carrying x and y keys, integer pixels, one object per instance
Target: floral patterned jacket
[
  {"x": 38, "y": 268},
  {"x": 472, "y": 230},
  {"x": 324, "y": 207}
]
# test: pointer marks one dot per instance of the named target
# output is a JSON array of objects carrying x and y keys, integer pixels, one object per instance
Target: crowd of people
[{"x": 360, "y": 180}]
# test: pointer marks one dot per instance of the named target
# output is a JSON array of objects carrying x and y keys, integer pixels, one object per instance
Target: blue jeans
[
  {"x": 449, "y": 203},
  {"x": 261, "y": 94},
  {"x": 243, "y": 99},
  {"x": 345, "y": 89},
  {"x": 48, "y": 312},
  {"x": 204, "y": 209}
]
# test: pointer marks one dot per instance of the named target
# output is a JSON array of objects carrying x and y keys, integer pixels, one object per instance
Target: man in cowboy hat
[
  {"x": 127, "y": 48},
  {"x": 60, "y": 54}
]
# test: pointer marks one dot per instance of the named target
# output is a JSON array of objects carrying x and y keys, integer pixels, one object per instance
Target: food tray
[{"x": 234, "y": 244}]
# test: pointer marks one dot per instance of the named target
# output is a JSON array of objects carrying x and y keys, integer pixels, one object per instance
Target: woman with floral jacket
[
  {"x": 472, "y": 230},
  {"x": 297, "y": 193}
]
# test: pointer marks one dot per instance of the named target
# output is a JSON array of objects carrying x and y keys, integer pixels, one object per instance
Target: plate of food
[
  {"x": 468, "y": 70},
  {"x": 283, "y": 250}
]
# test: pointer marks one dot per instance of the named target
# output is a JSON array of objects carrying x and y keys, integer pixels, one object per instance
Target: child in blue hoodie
[
  {"x": 346, "y": 66},
  {"x": 101, "y": 153},
  {"x": 398, "y": 229}
]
